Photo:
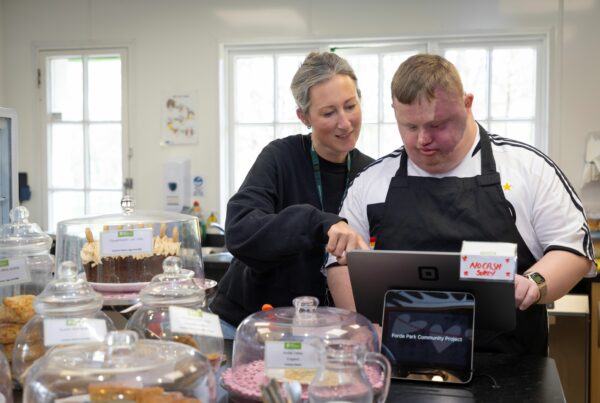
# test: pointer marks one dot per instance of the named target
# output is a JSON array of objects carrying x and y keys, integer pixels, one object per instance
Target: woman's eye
[{"x": 328, "y": 114}]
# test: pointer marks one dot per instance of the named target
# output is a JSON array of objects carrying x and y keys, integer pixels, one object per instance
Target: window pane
[
  {"x": 104, "y": 86},
  {"x": 366, "y": 68},
  {"x": 368, "y": 142},
  {"x": 390, "y": 139},
  {"x": 66, "y": 156},
  {"x": 64, "y": 206},
  {"x": 391, "y": 62},
  {"x": 66, "y": 87},
  {"x": 287, "y": 65},
  {"x": 522, "y": 131},
  {"x": 105, "y": 202},
  {"x": 105, "y": 156},
  {"x": 249, "y": 141},
  {"x": 472, "y": 65},
  {"x": 513, "y": 80},
  {"x": 288, "y": 129},
  {"x": 253, "y": 89}
]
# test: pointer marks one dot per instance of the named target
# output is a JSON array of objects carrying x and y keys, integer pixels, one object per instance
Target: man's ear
[
  {"x": 303, "y": 118},
  {"x": 469, "y": 101}
]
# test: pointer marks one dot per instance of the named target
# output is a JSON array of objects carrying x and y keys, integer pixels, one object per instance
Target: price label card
[
  {"x": 14, "y": 271},
  {"x": 194, "y": 321},
  {"x": 75, "y": 399},
  {"x": 126, "y": 242},
  {"x": 70, "y": 331},
  {"x": 489, "y": 261},
  {"x": 290, "y": 354}
]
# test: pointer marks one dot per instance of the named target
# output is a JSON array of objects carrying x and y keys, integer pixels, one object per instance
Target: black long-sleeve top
[{"x": 276, "y": 229}]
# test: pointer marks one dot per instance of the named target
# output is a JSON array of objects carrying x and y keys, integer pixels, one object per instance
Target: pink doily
[{"x": 249, "y": 377}]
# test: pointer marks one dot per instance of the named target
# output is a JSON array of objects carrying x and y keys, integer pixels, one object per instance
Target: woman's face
[{"x": 335, "y": 117}]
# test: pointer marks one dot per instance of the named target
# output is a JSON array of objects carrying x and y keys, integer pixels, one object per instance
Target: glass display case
[
  {"x": 9, "y": 195},
  {"x": 124, "y": 251}
]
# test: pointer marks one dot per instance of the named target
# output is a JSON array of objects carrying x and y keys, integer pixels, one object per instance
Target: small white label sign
[
  {"x": 14, "y": 271},
  {"x": 126, "y": 242},
  {"x": 290, "y": 354},
  {"x": 194, "y": 321},
  {"x": 74, "y": 399},
  {"x": 491, "y": 261},
  {"x": 70, "y": 331}
]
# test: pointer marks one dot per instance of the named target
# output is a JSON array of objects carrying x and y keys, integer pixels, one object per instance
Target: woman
[{"x": 284, "y": 215}]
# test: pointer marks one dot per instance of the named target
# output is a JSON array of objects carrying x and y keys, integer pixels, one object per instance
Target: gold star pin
[{"x": 507, "y": 186}]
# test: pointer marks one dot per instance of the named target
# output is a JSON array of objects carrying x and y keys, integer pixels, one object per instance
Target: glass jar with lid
[
  {"x": 5, "y": 380},
  {"x": 68, "y": 311},
  {"x": 171, "y": 309},
  {"x": 121, "y": 368},
  {"x": 26, "y": 265},
  {"x": 282, "y": 344},
  {"x": 118, "y": 251}
]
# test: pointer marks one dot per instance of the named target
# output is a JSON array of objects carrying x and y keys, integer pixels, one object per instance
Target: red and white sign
[{"x": 492, "y": 261}]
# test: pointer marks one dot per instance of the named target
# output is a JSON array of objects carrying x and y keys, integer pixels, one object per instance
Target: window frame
[
  {"x": 432, "y": 44},
  {"x": 44, "y": 55}
]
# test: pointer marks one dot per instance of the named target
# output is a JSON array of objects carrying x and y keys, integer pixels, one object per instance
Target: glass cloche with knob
[
  {"x": 68, "y": 311},
  {"x": 126, "y": 248},
  {"x": 172, "y": 309},
  {"x": 121, "y": 368},
  {"x": 283, "y": 344},
  {"x": 25, "y": 259}
]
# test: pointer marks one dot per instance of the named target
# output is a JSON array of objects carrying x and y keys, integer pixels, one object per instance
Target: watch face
[{"x": 536, "y": 277}]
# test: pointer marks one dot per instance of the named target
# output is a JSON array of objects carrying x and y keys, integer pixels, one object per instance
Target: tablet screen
[{"x": 429, "y": 335}]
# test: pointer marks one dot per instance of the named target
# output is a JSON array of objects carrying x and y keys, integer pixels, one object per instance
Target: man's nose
[{"x": 423, "y": 136}]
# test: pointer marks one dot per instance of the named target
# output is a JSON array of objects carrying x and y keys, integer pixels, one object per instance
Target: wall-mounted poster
[{"x": 180, "y": 119}]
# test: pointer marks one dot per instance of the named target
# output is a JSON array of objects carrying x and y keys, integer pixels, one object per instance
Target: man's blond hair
[{"x": 420, "y": 75}]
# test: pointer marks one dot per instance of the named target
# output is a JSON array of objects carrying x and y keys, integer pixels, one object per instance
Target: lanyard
[{"x": 317, "y": 172}]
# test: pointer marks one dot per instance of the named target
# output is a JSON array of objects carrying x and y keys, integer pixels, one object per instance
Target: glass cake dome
[
  {"x": 280, "y": 344},
  {"x": 171, "y": 300},
  {"x": 121, "y": 368},
  {"x": 129, "y": 247}
]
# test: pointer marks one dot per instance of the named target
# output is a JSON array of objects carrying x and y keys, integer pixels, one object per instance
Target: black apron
[{"x": 438, "y": 214}]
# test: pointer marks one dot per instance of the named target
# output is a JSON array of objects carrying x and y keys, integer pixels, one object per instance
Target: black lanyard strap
[{"x": 317, "y": 173}]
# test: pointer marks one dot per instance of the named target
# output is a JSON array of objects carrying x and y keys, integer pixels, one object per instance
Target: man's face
[{"x": 434, "y": 132}]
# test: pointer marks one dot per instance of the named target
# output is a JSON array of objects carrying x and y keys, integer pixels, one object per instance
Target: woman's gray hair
[{"x": 316, "y": 68}]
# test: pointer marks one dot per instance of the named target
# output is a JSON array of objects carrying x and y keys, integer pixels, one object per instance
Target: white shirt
[{"x": 549, "y": 214}]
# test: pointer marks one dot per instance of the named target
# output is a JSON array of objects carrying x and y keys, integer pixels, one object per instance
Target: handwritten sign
[{"x": 489, "y": 261}]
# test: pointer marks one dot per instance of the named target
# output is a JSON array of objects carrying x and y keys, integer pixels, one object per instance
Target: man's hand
[
  {"x": 526, "y": 292},
  {"x": 343, "y": 238}
]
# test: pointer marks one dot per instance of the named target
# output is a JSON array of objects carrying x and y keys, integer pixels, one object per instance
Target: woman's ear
[{"x": 303, "y": 118}]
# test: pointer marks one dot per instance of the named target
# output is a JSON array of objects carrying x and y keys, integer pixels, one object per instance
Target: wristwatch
[{"x": 540, "y": 281}]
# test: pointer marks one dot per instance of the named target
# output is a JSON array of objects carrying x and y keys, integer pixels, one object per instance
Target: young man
[{"x": 452, "y": 181}]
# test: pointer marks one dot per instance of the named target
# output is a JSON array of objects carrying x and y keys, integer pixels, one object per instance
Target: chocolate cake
[{"x": 128, "y": 269}]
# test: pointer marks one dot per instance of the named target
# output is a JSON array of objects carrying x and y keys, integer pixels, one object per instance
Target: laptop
[{"x": 374, "y": 272}]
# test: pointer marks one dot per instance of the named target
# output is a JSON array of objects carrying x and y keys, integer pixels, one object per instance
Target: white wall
[{"x": 175, "y": 46}]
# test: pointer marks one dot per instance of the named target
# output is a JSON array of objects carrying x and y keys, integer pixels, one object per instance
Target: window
[
  {"x": 506, "y": 75},
  {"x": 84, "y": 132}
]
